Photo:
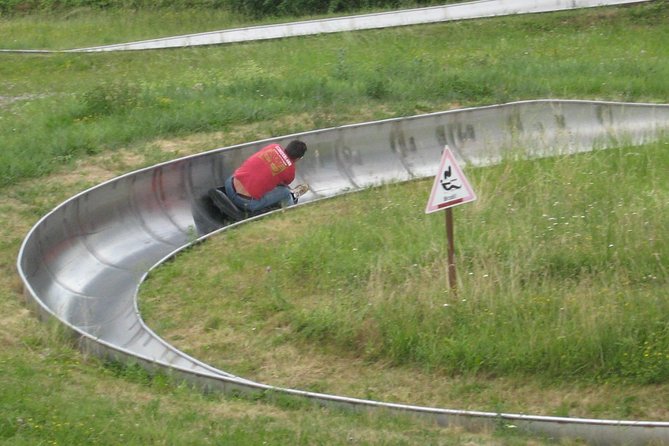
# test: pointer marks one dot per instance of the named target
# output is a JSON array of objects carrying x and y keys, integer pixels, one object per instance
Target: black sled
[{"x": 225, "y": 205}]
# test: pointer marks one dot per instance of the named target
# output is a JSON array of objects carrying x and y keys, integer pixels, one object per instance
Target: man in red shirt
[{"x": 262, "y": 181}]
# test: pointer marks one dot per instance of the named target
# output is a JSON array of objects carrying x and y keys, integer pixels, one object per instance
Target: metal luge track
[
  {"x": 83, "y": 262},
  {"x": 417, "y": 16}
]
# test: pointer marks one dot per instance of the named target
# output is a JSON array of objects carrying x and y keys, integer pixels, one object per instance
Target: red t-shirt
[{"x": 264, "y": 170}]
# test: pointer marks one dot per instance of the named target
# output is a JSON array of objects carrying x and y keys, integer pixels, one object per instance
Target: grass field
[{"x": 69, "y": 121}]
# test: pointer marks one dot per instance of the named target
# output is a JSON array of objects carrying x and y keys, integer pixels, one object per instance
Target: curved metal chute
[{"x": 83, "y": 262}]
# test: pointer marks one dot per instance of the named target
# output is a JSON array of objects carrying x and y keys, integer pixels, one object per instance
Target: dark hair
[{"x": 296, "y": 149}]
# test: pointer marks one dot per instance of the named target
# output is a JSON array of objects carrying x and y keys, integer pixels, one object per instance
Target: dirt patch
[
  {"x": 8, "y": 100},
  {"x": 13, "y": 322}
]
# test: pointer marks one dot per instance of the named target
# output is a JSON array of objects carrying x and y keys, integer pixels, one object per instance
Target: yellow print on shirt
[{"x": 274, "y": 161}]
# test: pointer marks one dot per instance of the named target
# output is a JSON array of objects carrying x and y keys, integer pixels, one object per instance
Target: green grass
[
  {"x": 69, "y": 121},
  {"x": 96, "y": 102},
  {"x": 64, "y": 399},
  {"x": 54, "y": 30}
]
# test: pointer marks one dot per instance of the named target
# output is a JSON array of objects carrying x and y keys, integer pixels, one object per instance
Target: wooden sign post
[
  {"x": 451, "y": 251},
  {"x": 450, "y": 188}
]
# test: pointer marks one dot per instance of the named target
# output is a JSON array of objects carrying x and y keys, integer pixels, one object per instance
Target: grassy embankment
[{"x": 104, "y": 114}]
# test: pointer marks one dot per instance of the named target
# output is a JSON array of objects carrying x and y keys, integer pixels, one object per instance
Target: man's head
[{"x": 296, "y": 149}]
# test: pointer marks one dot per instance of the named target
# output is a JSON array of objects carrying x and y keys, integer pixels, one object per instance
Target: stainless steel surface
[
  {"x": 434, "y": 14},
  {"x": 83, "y": 262}
]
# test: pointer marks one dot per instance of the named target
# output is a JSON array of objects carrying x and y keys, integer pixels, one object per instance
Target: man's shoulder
[{"x": 275, "y": 151}]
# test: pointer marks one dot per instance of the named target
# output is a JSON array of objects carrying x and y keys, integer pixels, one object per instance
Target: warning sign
[{"x": 450, "y": 185}]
